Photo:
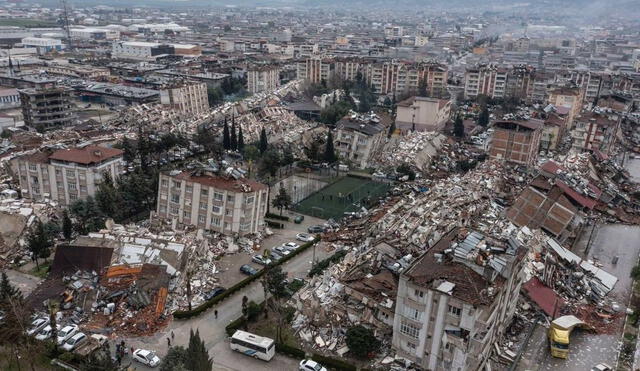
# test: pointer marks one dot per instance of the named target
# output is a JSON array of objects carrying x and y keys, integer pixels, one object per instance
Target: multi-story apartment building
[
  {"x": 516, "y": 141},
  {"x": 451, "y": 309},
  {"x": 263, "y": 78},
  {"x": 66, "y": 175},
  {"x": 143, "y": 50},
  {"x": 188, "y": 97},
  {"x": 359, "y": 137},
  {"x": 422, "y": 114},
  {"x": 46, "y": 108},
  {"x": 567, "y": 96},
  {"x": 595, "y": 131},
  {"x": 207, "y": 200},
  {"x": 499, "y": 82},
  {"x": 315, "y": 70}
]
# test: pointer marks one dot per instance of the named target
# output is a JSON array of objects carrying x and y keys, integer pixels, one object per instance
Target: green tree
[
  {"x": 67, "y": 225},
  {"x": 226, "y": 138},
  {"x": 129, "y": 150},
  {"x": 282, "y": 199},
  {"x": 274, "y": 283},
  {"x": 362, "y": 342},
  {"x": 234, "y": 136},
  {"x": 39, "y": 243},
  {"x": 175, "y": 360},
  {"x": 108, "y": 198},
  {"x": 99, "y": 360},
  {"x": 87, "y": 215},
  {"x": 483, "y": 117},
  {"x": 270, "y": 162},
  {"x": 144, "y": 148},
  {"x": 263, "y": 145},
  {"x": 240, "y": 139},
  {"x": 329, "y": 150},
  {"x": 208, "y": 140},
  {"x": 458, "y": 127},
  {"x": 197, "y": 355},
  {"x": 8, "y": 291}
]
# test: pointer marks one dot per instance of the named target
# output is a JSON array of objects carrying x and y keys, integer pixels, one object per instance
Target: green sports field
[{"x": 347, "y": 194}]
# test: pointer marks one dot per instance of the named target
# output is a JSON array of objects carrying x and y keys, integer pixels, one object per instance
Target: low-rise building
[
  {"x": 66, "y": 175},
  {"x": 359, "y": 137},
  {"x": 516, "y": 141},
  {"x": 42, "y": 44},
  {"x": 423, "y": 114},
  {"x": 263, "y": 78},
  {"x": 208, "y": 200},
  {"x": 455, "y": 301},
  {"x": 595, "y": 131}
]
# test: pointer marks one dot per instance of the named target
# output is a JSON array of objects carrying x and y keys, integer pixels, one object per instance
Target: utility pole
[{"x": 65, "y": 18}]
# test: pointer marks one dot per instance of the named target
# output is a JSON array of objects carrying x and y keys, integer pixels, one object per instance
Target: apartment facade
[
  {"x": 422, "y": 114},
  {"x": 264, "y": 78},
  {"x": 46, "y": 108},
  {"x": 516, "y": 141},
  {"x": 188, "y": 97},
  {"x": 214, "y": 202},
  {"x": 314, "y": 70},
  {"x": 451, "y": 311},
  {"x": 359, "y": 137},
  {"x": 67, "y": 175},
  {"x": 595, "y": 131},
  {"x": 569, "y": 97}
]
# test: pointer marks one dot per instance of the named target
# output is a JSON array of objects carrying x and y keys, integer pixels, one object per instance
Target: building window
[
  {"x": 411, "y": 345},
  {"x": 176, "y": 184},
  {"x": 174, "y": 210},
  {"x": 217, "y": 196},
  {"x": 203, "y": 205},
  {"x": 83, "y": 189},
  {"x": 245, "y": 226},
  {"x": 71, "y": 173},
  {"x": 175, "y": 198},
  {"x": 250, "y": 199},
  {"x": 409, "y": 329},
  {"x": 188, "y": 188},
  {"x": 185, "y": 214},
  {"x": 230, "y": 198},
  {"x": 72, "y": 186},
  {"x": 201, "y": 219},
  {"x": 454, "y": 310},
  {"x": 228, "y": 212},
  {"x": 33, "y": 167},
  {"x": 73, "y": 196},
  {"x": 216, "y": 209},
  {"x": 204, "y": 192},
  {"x": 226, "y": 225},
  {"x": 419, "y": 294},
  {"x": 412, "y": 313},
  {"x": 215, "y": 222},
  {"x": 164, "y": 183},
  {"x": 163, "y": 209}
]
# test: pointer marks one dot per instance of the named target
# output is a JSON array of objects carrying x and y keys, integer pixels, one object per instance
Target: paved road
[
  {"x": 588, "y": 349},
  {"x": 212, "y": 329}
]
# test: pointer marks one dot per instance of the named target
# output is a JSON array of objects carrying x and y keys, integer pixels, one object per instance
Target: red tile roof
[
  {"x": 87, "y": 155},
  {"x": 220, "y": 182},
  {"x": 543, "y": 296}
]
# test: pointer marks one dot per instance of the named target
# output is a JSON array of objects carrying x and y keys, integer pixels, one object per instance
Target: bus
[{"x": 253, "y": 345}]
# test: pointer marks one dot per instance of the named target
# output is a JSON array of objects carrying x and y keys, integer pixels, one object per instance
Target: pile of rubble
[{"x": 416, "y": 148}]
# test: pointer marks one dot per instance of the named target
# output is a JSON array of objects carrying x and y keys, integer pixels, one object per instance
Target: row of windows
[{"x": 409, "y": 329}]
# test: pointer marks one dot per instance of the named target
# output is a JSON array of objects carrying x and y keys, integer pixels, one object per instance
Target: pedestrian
[
  {"x": 173, "y": 336},
  {"x": 215, "y": 313},
  {"x": 132, "y": 351},
  {"x": 168, "y": 342}
]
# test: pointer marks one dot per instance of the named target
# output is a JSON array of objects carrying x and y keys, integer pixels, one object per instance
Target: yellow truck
[{"x": 559, "y": 333}]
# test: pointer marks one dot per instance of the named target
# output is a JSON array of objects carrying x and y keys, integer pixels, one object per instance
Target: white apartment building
[
  {"x": 450, "y": 311},
  {"x": 423, "y": 114},
  {"x": 188, "y": 97},
  {"x": 359, "y": 137},
  {"x": 214, "y": 202},
  {"x": 265, "y": 78},
  {"x": 314, "y": 70},
  {"x": 66, "y": 175},
  {"x": 486, "y": 80},
  {"x": 595, "y": 131}
]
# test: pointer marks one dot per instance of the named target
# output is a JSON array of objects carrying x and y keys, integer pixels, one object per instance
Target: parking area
[{"x": 229, "y": 265}]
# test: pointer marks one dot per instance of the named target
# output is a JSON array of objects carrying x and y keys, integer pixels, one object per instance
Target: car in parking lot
[
  {"x": 46, "y": 332},
  {"x": 309, "y": 365},
  {"x": 213, "y": 293},
  {"x": 37, "y": 325},
  {"x": 281, "y": 250},
  {"x": 298, "y": 219},
  {"x": 259, "y": 259},
  {"x": 74, "y": 341},
  {"x": 292, "y": 246},
  {"x": 304, "y": 237},
  {"x": 275, "y": 256},
  {"x": 248, "y": 270},
  {"x": 315, "y": 229},
  {"x": 66, "y": 333},
  {"x": 146, "y": 357}
]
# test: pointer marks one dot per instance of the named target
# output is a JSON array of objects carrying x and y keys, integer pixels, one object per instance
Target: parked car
[
  {"x": 66, "y": 333},
  {"x": 298, "y": 219},
  {"x": 213, "y": 293},
  {"x": 291, "y": 246},
  {"x": 146, "y": 357},
  {"x": 315, "y": 229},
  {"x": 259, "y": 259},
  {"x": 248, "y": 270},
  {"x": 46, "y": 332},
  {"x": 304, "y": 237},
  {"x": 275, "y": 256},
  {"x": 281, "y": 250},
  {"x": 309, "y": 365},
  {"x": 74, "y": 341},
  {"x": 601, "y": 367},
  {"x": 37, "y": 325}
]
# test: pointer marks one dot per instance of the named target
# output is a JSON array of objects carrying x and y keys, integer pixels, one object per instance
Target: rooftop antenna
[{"x": 65, "y": 16}]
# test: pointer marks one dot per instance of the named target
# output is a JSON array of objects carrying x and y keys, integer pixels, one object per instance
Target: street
[{"x": 212, "y": 329}]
